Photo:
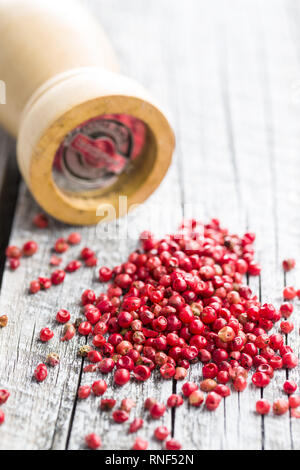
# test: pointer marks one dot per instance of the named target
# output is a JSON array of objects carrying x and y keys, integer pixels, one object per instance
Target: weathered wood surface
[{"x": 229, "y": 73}]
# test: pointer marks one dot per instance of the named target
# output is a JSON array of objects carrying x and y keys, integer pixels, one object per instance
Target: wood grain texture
[{"x": 230, "y": 75}]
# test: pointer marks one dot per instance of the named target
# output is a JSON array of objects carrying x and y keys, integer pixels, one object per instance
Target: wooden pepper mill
[{"x": 85, "y": 133}]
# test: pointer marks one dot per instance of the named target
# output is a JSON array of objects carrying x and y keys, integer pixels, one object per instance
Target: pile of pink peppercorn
[{"x": 174, "y": 302}]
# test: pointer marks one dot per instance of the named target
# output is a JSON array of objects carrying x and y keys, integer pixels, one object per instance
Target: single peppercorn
[
  {"x": 41, "y": 221},
  {"x": 136, "y": 424},
  {"x": 14, "y": 263},
  {"x": 46, "y": 334},
  {"x": 161, "y": 433},
  {"x": 289, "y": 387},
  {"x": 120, "y": 416},
  {"x": 41, "y": 372},
  {"x": 13, "y": 252},
  {"x": 3, "y": 321},
  {"x": 84, "y": 392},
  {"x": 173, "y": 444},
  {"x": 280, "y": 406},
  {"x": 53, "y": 359},
  {"x": 74, "y": 238},
  {"x": 34, "y": 287},
  {"x": 288, "y": 264},
  {"x": 196, "y": 398},
  {"x": 93, "y": 441},
  {"x": 57, "y": 277},
  {"x": 29, "y": 248},
  {"x": 69, "y": 332},
  {"x": 188, "y": 388},
  {"x": 140, "y": 444},
  {"x": 121, "y": 377},
  {"x": 107, "y": 404},
  {"x": 61, "y": 246},
  {"x": 99, "y": 387},
  {"x": 157, "y": 410},
  {"x": 263, "y": 406},
  {"x": 4, "y": 395}
]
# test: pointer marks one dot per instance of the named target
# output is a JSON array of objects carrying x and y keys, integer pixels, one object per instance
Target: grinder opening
[{"x": 94, "y": 155}]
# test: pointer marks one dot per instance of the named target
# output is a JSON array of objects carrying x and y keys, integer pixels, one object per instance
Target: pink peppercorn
[
  {"x": 222, "y": 390},
  {"x": 149, "y": 402},
  {"x": 45, "y": 283},
  {"x": 188, "y": 388},
  {"x": 141, "y": 372},
  {"x": 84, "y": 391},
  {"x": 73, "y": 266},
  {"x": 161, "y": 433},
  {"x": 121, "y": 377},
  {"x": 34, "y": 287},
  {"x": 289, "y": 293},
  {"x": 86, "y": 253},
  {"x": 120, "y": 416},
  {"x": 105, "y": 274},
  {"x": 286, "y": 327},
  {"x": 263, "y": 407},
  {"x": 46, "y": 334},
  {"x": 14, "y": 263},
  {"x": 196, "y": 398},
  {"x": 91, "y": 261},
  {"x": 74, "y": 238},
  {"x": 280, "y": 406},
  {"x": 41, "y": 221},
  {"x": 63, "y": 316},
  {"x": 286, "y": 309},
  {"x": 69, "y": 332},
  {"x": 289, "y": 360},
  {"x": 85, "y": 328},
  {"x": 58, "y": 276},
  {"x": 174, "y": 401},
  {"x": 136, "y": 424},
  {"x": 212, "y": 401},
  {"x": 173, "y": 444},
  {"x": 140, "y": 444},
  {"x": 94, "y": 356},
  {"x": 106, "y": 365},
  {"x": 294, "y": 401},
  {"x": 107, "y": 404},
  {"x": 157, "y": 410},
  {"x": 13, "y": 252},
  {"x": 167, "y": 371},
  {"x": 4, "y": 395},
  {"x": 99, "y": 387},
  {"x": 29, "y": 248},
  {"x": 208, "y": 385},
  {"x": 260, "y": 379},
  {"x": 240, "y": 383},
  {"x": 40, "y": 372},
  {"x": 55, "y": 261},
  {"x": 289, "y": 387},
  {"x": 61, "y": 246},
  {"x": 288, "y": 264},
  {"x": 93, "y": 441},
  {"x": 53, "y": 359}
]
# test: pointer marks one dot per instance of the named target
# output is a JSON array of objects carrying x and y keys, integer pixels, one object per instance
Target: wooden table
[{"x": 229, "y": 72}]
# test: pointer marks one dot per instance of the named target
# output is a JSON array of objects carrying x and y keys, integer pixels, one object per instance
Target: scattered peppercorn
[{"x": 3, "y": 321}]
